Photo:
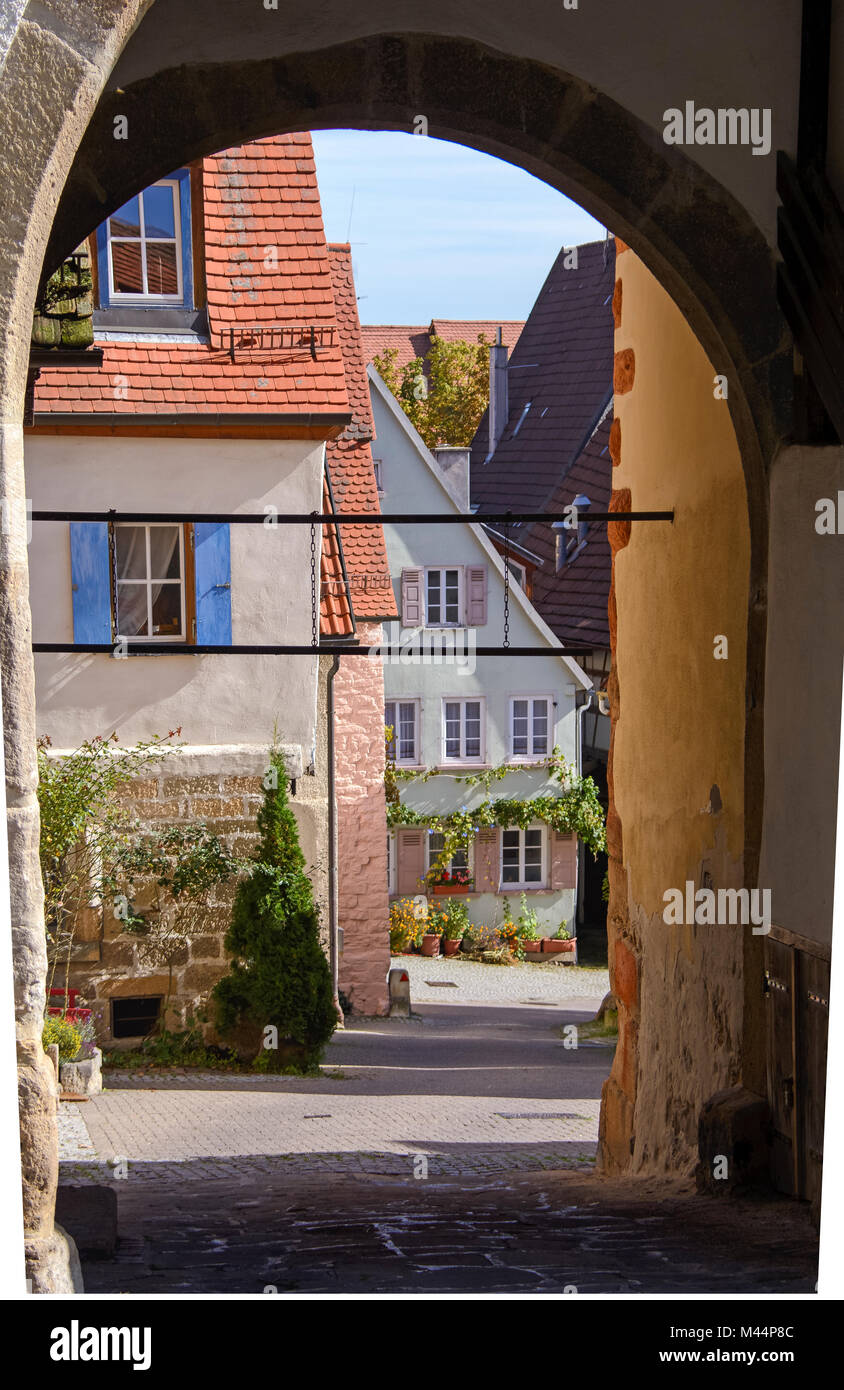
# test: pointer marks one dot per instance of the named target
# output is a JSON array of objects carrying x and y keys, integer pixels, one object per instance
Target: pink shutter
[
  {"x": 486, "y": 861},
  {"x": 475, "y": 595},
  {"x": 563, "y": 860},
  {"x": 410, "y": 862},
  {"x": 412, "y": 609}
]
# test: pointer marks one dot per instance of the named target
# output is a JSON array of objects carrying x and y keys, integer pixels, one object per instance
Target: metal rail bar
[
  {"x": 304, "y": 649},
  {"x": 270, "y": 519}
]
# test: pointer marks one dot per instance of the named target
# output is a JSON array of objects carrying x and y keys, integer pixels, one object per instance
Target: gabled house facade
[
  {"x": 455, "y": 716},
  {"x": 545, "y": 444},
  {"x": 230, "y": 383}
]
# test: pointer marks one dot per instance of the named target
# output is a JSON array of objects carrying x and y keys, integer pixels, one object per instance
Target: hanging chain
[
  {"x": 507, "y": 582},
  {"x": 112, "y": 558},
  {"x": 313, "y": 583}
]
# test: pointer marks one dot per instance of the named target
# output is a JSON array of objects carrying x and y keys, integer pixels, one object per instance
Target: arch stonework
[
  {"x": 695, "y": 237},
  {"x": 52, "y": 73}
]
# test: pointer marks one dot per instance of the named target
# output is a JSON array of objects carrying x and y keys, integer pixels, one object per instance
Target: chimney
[
  {"x": 453, "y": 463},
  {"x": 498, "y": 403}
]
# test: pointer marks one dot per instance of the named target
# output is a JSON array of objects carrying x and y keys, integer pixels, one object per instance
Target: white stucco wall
[{"x": 217, "y": 700}]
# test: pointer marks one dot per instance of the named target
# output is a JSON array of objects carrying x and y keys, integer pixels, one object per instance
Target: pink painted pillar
[{"x": 362, "y": 898}]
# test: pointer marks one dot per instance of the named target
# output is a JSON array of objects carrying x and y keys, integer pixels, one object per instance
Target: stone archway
[{"x": 696, "y": 238}]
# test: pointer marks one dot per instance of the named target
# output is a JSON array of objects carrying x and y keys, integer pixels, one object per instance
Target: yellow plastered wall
[{"x": 678, "y": 588}]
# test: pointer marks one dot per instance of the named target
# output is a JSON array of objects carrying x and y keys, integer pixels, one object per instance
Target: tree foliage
[
  {"x": 446, "y": 405},
  {"x": 279, "y": 977}
]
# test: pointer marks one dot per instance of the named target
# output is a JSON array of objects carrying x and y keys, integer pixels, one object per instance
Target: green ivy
[{"x": 575, "y": 809}]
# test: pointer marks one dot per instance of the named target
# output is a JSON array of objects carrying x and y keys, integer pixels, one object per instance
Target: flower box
[
  {"x": 553, "y": 947},
  {"x": 452, "y": 889},
  {"x": 534, "y": 947}
]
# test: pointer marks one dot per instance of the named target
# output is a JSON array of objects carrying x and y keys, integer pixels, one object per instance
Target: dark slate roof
[
  {"x": 573, "y": 602},
  {"x": 562, "y": 364}
]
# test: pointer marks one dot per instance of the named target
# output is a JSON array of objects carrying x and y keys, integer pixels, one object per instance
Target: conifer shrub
[{"x": 279, "y": 978}]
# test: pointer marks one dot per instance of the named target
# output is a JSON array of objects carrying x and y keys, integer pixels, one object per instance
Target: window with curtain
[
  {"x": 523, "y": 858},
  {"x": 149, "y": 581},
  {"x": 529, "y": 726},
  {"x": 402, "y": 716},
  {"x": 463, "y": 730}
]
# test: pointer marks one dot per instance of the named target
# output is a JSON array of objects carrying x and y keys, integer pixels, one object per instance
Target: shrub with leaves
[
  {"x": 406, "y": 926},
  {"x": 279, "y": 977},
  {"x": 179, "y": 869},
  {"x": 58, "y": 1029},
  {"x": 85, "y": 828}
]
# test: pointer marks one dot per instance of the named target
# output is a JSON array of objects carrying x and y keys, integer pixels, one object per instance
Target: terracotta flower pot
[
  {"x": 451, "y": 945},
  {"x": 534, "y": 947},
  {"x": 553, "y": 947},
  {"x": 450, "y": 890},
  {"x": 430, "y": 944}
]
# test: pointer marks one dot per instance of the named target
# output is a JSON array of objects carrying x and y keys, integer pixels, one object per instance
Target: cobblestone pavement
[
  {"x": 459, "y": 1083},
  {"x": 449, "y": 1153},
  {"x": 522, "y": 1233},
  {"x": 458, "y": 981}
]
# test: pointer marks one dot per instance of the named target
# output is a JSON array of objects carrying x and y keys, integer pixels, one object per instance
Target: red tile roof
[
  {"x": 335, "y": 614},
  {"x": 412, "y": 342},
  {"x": 349, "y": 458},
  {"x": 260, "y": 195}
]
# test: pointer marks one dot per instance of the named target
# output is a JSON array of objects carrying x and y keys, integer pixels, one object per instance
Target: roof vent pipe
[{"x": 498, "y": 402}]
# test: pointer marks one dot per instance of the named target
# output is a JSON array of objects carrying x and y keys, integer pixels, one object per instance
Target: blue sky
[{"x": 439, "y": 230}]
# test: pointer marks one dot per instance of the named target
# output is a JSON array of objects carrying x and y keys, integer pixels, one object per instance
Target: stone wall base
[{"x": 52, "y": 1263}]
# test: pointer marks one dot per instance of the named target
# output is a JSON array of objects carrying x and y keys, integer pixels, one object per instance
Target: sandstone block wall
[{"x": 108, "y": 962}]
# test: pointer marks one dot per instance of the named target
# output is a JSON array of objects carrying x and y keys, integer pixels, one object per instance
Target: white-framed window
[
  {"x": 530, "y": 726},
  {"x": 463, "y": 731},
  {"x": 524, "y": 857},
  {"x": 444, "y": 597},
  {"x": 402, "y": 716},
  {"x": 518, "y": 572},
  {"x": 456, "y": 869},
  {"x": 149, "y": 579},
  {"x": 145, "y": 247},
  {"x": 378, "y": 469}
]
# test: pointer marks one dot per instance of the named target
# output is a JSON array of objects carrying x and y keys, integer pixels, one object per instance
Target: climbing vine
[{"x": 574, "y": 809}]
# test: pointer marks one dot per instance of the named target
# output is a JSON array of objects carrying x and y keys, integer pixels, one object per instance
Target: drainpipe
[
  {"x": 333, "y": 952},
  {"x": 578, "y": 878}
]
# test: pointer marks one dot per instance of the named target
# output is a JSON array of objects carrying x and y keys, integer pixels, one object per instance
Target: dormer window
[{"x": 144, "y": 248}]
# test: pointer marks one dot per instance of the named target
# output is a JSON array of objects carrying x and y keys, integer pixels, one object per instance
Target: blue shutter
[
  {"x": 91, "y": 580},
  {"x": 212, "y": 562}
]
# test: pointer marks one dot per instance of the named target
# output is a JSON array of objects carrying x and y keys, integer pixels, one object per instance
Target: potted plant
[
  {"x": 562, "y": 942},
  {"x": 431, "y": 940},
  {"x": 456, "y": 921},
  {"x": 405, "y": 927},
  {"x": 527, "y": 929}
]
